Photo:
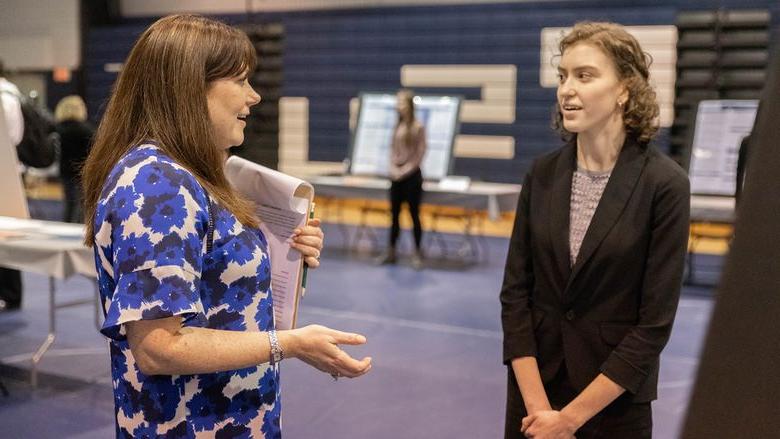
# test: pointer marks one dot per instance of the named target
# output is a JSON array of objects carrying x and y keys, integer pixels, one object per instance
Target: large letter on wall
[
  {"x": 498, "y": 85},
  {"x": 294, "y": 140}
]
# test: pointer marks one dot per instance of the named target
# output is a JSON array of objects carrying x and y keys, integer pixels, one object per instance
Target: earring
[{"x": 620, "y": 104}]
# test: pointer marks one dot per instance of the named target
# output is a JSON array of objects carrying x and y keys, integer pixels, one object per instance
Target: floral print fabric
[{"x": 151, "y": 227}]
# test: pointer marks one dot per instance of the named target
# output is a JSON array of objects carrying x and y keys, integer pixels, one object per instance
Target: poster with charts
[
  {"x": 377, "y": 117},
  {"x": 720, "y": 127}
]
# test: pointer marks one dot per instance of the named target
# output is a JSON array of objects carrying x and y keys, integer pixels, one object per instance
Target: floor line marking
[
  {"x": 435, "y": 327},
  {"x": 65, "y": 352}
]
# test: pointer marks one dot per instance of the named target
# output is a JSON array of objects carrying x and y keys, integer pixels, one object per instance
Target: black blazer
[{"x": 612, "y": 312}]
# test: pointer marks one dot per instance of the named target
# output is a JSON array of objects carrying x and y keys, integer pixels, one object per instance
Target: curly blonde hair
[{"x": 640, "y": 112}]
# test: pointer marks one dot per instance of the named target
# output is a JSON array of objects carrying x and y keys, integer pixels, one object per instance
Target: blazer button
[{"x": 569, "y": 315}]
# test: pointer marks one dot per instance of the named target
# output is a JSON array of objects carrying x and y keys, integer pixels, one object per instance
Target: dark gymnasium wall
[{"x": 330, "y": 56}]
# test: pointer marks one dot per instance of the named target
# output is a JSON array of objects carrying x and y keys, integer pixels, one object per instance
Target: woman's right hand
[{"x": 317, "y": 346}]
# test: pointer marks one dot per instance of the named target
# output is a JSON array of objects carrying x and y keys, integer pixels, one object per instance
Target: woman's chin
[{"x": 235, "y": 142}]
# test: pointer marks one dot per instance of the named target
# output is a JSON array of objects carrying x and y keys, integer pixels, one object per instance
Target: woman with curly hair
[{"x": 595, "y": 262}]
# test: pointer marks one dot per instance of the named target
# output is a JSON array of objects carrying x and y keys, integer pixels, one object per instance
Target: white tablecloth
[
  {"x": 712, "y": 209},
  {"x": 45, "y": 247}
]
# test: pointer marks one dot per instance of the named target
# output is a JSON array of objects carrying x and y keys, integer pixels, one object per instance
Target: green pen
[{"x": 305, "y": 265}]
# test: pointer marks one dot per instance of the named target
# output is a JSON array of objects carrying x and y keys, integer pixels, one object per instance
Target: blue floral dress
[{"x": 151, "y": 229}]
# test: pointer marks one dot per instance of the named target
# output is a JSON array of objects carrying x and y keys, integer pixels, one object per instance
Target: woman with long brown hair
[
  {"x": 406, "y": 155},
  {"x": 183, "y": 270},
  {"x": 595, "y": 262}
]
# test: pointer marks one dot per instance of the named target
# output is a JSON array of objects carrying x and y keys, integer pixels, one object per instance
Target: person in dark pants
[
  {"x": 75, "y": 138},
  {"x": 595, "y": 262},
  {"x": 10, "y": 289},
  {"x": 406, "y": 155}
]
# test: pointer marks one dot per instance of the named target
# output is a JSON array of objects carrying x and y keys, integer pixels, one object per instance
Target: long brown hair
[
  {"x": 408, "y": 96},
  {"x": 640, "y": 112},
  {"x": 160, "y": 95}
]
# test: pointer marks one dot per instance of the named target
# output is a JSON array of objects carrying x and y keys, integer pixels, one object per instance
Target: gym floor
[{"x": 434, "y": 335}]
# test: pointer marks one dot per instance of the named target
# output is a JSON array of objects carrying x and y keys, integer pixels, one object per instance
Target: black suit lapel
[
  {"x": 621, "y": 185},
  {"x": 560, "y": 200}
]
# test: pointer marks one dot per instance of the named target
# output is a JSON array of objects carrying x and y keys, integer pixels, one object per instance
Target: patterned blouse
[
  {"x": 587, "y": 187},
  {"x": 151, "y": 228}
]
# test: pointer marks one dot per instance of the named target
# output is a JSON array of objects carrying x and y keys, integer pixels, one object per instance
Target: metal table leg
[
  {"x": 3, "y": 389},
  {"x": 36, "y": 358},
  {"x": 53, "y": 307}
]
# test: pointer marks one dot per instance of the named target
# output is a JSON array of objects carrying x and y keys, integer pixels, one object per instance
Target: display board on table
[
  {"x": 377, "y": 118},
  {"x": 719, "y": 129}
]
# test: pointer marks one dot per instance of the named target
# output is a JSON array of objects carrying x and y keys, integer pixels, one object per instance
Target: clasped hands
[{"x": 549, "y": 424}]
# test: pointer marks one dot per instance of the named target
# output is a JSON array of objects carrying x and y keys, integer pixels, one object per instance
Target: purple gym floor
[{"x": 434, "y": 335}]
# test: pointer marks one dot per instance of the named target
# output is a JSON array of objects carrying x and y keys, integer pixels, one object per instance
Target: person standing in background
[
  {"x": 595, "y": 262},
  {"x": 11, "y": 280},
  {"x": 75, "y": 139},
  {"x": 406, "y": 155}
]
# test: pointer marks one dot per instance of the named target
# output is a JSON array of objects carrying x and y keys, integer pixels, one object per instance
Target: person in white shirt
[
  {"x": 11, "y": 280},
  {"x": 9, "y": 95}
]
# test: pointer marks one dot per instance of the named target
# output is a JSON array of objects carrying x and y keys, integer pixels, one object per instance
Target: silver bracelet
[{"x": 277, "y": 354}]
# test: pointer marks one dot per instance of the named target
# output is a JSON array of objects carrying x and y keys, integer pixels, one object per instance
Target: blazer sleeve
[
  {"x": 637, "y": 354},
  {"x": 518, "y": 283}
]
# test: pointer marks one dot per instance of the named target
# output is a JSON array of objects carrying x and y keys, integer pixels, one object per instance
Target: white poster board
[
  {"x": 720, "y": 127},
  {"x": 377, "y": 117},
  {"x": 13, "y": 202}
]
